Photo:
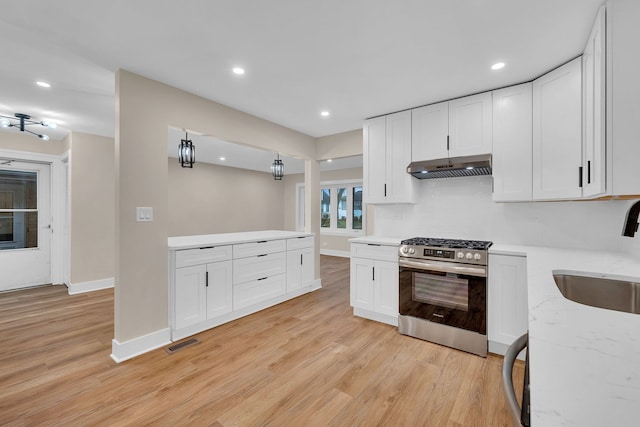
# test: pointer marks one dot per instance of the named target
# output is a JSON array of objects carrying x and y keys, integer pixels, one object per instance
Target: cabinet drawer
[
  {"x": 205, "y": 255},
  {"x": 258, "y": 267},
  {"x": 372, "y": 251},
  {"x": 244, "y": 250},
  {"x": 300, "y": 243},
  {"x": 259, "y": 290}
]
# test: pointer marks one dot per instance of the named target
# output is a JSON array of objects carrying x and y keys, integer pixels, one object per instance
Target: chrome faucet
[{"x": 631, "y": 224}]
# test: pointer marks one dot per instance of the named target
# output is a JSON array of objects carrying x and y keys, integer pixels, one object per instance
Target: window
[
  {"x": 18, "y": 209},
  {"x": 340, "y": 207}
]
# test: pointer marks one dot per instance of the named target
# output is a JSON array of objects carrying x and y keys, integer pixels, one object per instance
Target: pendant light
[
  {"x": 186, "y": 152},
  {"x": 277, "y": 169}
]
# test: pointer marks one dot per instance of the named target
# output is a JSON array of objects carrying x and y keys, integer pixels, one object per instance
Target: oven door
[{"x": 443, "y": 292}]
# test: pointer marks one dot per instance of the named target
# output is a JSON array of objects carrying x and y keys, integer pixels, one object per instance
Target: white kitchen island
[
  {"x": 217, "y": 278},
  {"x": 584, "y": 361}
]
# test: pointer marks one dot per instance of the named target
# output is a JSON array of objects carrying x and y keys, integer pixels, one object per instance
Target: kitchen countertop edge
[{"x": 196, "y": 241}]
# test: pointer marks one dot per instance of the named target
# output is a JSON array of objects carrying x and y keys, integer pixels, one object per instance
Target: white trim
[
  {"x": 332, "y": 252},
  {"x": 93, "y": 285},
  {"x": 501, "y": 349},
  {"x": 140, "y": 345},
  {"x": 317, "y": 284},
  {"x": 378, "y": 317},
  {"x": 341, "y": 182},
  {"x": 57, "y": 213}
]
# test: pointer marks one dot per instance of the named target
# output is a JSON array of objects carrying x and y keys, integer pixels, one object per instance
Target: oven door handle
[{"x": 445, "y": 267}]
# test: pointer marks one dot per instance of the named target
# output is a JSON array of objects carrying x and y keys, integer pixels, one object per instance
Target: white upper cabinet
[
  {"x": 429, "y": 132},
  {"x": 512, "y": 174},
  {"x": 461, "y": 127},
  {"x": 470, "y": 127},
  {"x": 557, "y": 133},
  {"x": 594, "y": 101},
  {"x": 387, "y": 153}
]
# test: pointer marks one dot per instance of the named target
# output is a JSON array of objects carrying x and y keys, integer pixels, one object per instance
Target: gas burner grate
[{"x": 448, "y": 243}]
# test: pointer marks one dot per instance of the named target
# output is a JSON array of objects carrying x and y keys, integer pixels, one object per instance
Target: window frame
[{"x": 333, "y": 229}]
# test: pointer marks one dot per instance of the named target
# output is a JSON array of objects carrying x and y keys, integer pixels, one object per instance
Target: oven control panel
[{"x": 465, "y": 256}]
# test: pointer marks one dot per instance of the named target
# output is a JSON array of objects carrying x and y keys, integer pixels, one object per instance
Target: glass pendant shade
[{"x": 186, "y": 152}]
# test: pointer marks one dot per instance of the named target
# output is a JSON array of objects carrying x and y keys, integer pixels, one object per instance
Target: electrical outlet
[{"x": 144, "y": 214}]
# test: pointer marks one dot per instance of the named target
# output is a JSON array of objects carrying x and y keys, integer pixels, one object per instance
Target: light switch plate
[{"x": 144, "y": 214}]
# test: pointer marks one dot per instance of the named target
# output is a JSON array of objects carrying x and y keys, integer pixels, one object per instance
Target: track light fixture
[
  {"x": 277, "y": 169},
  {"x": 186, "y": 152},
  {"x": 20, "y": 121}
]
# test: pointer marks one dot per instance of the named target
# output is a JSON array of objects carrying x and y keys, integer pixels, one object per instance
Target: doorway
[{"x": 25, "y": 224}]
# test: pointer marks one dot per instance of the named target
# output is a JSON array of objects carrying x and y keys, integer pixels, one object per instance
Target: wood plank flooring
[{"x": 305, "y": 362}]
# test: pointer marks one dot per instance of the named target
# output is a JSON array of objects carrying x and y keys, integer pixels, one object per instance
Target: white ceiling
[
  {"x": 356, "y": 58},
  {"x": 209, "y": 150}
]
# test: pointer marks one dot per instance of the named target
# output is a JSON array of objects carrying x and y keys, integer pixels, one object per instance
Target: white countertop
[
  {"x": 188, "y": 242},
  {"x": 376, "y": 240},
  {"x": 584, "y": 361}
]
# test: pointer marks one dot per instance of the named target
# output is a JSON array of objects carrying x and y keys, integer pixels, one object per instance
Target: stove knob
[
  {"x": 469, "y": 255},
  {"x": 412, "y": 251},
  {"x": 477, "y": 257},
  {"x": 460, "y": 255},
  {"x": 404, "y": 250}
]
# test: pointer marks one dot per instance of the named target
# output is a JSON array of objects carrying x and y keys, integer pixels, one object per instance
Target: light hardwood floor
[{"x": 305, "y": 362}]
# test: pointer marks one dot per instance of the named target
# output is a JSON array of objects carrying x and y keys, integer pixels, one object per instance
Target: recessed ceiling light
[
  {"x": 43, "y": 84},
  {"x": 223, "y": 158},
  {"x": 324, "y": 113},
  {"x": 329, "y": 160},
  {"x": 238, "y": 70},
  {"x": 497, "y": 66}
]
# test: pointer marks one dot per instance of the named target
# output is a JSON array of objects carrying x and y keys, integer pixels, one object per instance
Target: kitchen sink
[{"x": 602, "y": 291}]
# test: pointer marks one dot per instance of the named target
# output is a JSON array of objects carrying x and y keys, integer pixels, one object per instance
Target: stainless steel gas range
[{"x": 443, "y": 292}]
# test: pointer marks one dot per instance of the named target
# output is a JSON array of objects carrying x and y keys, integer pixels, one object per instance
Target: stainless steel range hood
[{"x": 451, "y": 167}]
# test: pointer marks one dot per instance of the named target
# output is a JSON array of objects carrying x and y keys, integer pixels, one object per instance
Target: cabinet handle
[
  {"x": 374, "y": 273},
  {"x": 263, "y": 255},
  {"x": 589, "y": 172},
  {"x": 207, "y": 247},
  {"x": 580, "y": 176},
  {"x": 262, "y": 278},
  {"x": 261, "y": 241},
  {"x": 206, "y": 278},
  {"x": 372, "y": 244},
  {"x": 447, "y": 142},
  {"x": 300, "y": 259},
  {"x": 385, "y": 190}
]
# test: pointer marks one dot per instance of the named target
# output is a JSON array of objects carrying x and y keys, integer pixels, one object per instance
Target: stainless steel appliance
[{"x": 443, "y": 292}]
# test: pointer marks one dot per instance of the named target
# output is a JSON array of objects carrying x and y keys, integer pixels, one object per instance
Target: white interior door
[{"x": 25, "y": 224}]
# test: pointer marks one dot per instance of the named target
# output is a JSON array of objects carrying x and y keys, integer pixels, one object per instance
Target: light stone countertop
[
  {"x": 376, "y": 240},
  {"x": 584, "y": 361},
  {"x": 189, "y": 242}
]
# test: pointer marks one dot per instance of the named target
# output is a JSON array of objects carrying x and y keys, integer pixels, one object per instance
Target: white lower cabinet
[
  {"x": 210, "y": 286},
  {"x": 202, "y": 292},
  {"x": 374, "y": 282},
  {"x": 507, "y": 300}
]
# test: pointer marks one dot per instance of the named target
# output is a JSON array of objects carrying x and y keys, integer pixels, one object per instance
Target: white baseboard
[
  {"x": 331, "y": 252},
  {"x": 317, "y": 284},
  {"x": 378, "y": 317},
  {"x": 137, "y": 346},
  {"x": 501, "y": 349},
  {"x": 94, "y": 285}
]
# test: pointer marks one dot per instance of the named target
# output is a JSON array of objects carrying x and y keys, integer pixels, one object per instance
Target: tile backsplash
[{"x": 463, "y": 208}]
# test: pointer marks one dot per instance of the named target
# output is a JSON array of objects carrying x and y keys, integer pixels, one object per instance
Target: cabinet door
[
  {"x": 294, "y": 269},
  {"x": 557, "y": 133},
  {"x": 512, "y": 174},
  {"x": 219, "y": 289},
  {"x": 399, "y": 183},
  {"x": 470, "y": 125},
  {"x": 386, "y": 287},
  {"x": 429, "y": 131},
  {"x": 593, "y": 68},
  {"x": 190, "y": 299},
  {"x": 374, "y": 159},
  {"x": 361, "y": 281},
  {"x": 507, "y": 298},
  {"x": 307, "y": 267}
]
